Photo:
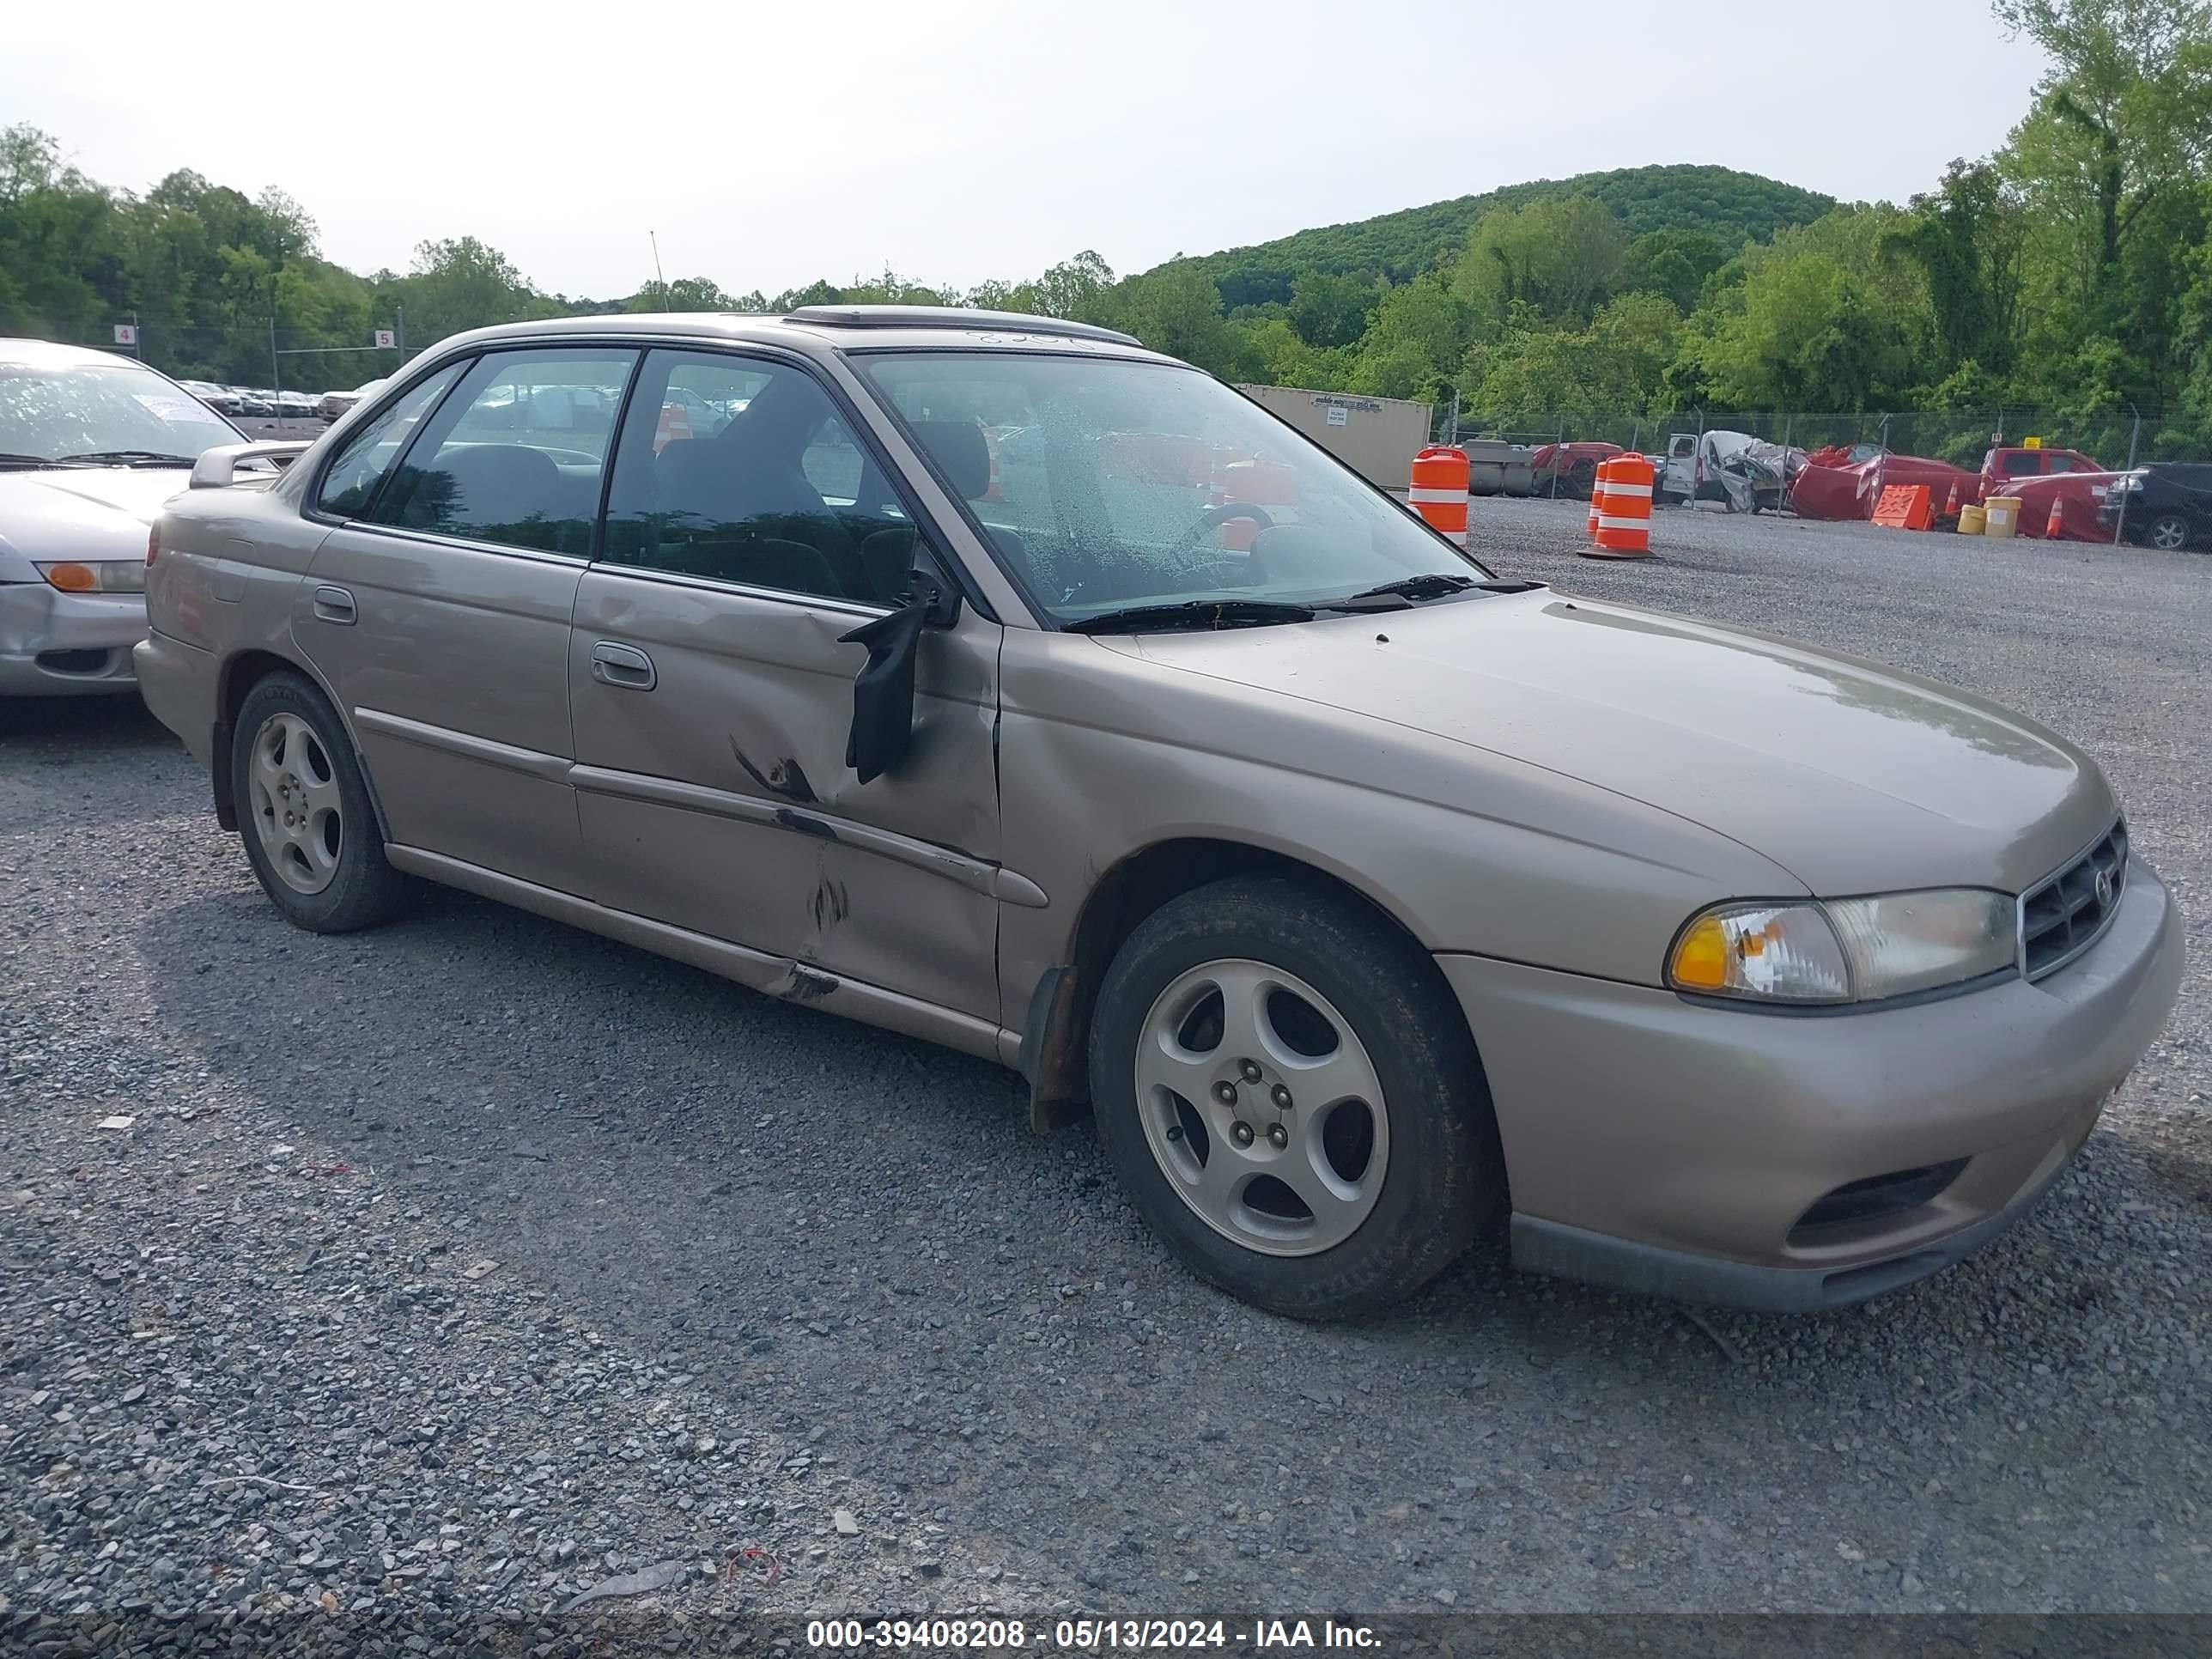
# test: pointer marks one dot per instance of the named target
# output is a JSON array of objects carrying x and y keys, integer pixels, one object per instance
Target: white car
[
  {"x": 91, "y": 445},
  {"x": 335, "y": 403}
]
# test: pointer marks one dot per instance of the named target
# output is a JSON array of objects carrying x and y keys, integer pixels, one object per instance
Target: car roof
[
  {"x": 835, "y": 328},
  {"x": 52, "y": 354}
]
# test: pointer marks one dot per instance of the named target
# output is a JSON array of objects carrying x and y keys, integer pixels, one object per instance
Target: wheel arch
[
  {"x": 1056, "y": 1035},
  {"x": 240, "y": 673}
]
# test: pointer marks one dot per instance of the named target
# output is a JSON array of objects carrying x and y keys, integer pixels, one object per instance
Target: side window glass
[
  {"x": 2062, "y": 463},
  {"x": 2019, "y": 463},
  {"x": 833, "y": 465},
  {"x": 741, "y": 469},
  {"x": 516, "y": 454},
  {"x": 369, "y": 454}
]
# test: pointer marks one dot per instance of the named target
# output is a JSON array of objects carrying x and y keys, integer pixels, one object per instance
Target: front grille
[
  {"x": 2064, "y": 915},
  {"x": 1877, "y": 1196}
]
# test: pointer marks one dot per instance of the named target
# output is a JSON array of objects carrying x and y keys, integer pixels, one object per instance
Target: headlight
[
  {"x": 1782, "y": 953},
  {"x": 98, "y": 576},
  {"x": 1859, "y": 949}
]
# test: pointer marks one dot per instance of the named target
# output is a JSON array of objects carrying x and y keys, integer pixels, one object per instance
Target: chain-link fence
[
  {"x": 274, "y": 359},
  {"x": 1961, "y": 437}
]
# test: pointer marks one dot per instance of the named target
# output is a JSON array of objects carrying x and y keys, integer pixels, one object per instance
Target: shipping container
[{"x": 1376, "y": 437}]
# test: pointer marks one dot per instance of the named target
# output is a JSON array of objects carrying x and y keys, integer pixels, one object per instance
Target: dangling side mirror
[{"x": 883, "y": 692}]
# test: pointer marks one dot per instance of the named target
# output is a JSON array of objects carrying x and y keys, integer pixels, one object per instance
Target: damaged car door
[{"x": 713, "y": 693}]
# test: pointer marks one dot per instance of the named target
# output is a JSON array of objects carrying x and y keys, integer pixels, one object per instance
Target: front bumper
[
  {"x": 58, "y": 644},
  {"x": 1661, "y": 1145}
]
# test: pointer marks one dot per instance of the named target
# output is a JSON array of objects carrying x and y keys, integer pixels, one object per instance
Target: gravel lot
[{"x": 448, "y": 1271}]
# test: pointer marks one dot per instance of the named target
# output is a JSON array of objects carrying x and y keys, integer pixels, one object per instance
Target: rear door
[
  {"x": 713, "y": 694},
  {"x": 440, "y": 608}
]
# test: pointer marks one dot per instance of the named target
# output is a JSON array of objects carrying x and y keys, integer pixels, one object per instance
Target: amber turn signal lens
[
  {"x": 1701, "y": 959},
  {"x": 73, "y": 578}
]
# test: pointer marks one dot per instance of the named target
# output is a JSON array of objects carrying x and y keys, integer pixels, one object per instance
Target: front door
[
  {"x": 712, "y": 695},
  {"x": 442, "y": 607}
]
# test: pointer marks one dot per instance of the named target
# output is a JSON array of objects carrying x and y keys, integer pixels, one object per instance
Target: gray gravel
[{"x": 445, "y": 1272}]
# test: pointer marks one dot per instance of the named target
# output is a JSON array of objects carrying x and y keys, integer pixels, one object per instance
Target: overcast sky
[{"x": 959, "y": 141}]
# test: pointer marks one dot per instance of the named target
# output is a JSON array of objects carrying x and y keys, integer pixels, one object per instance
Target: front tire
[
  {"x": 304, "y": 811},
  {"x": 1290, "y": 1098}
]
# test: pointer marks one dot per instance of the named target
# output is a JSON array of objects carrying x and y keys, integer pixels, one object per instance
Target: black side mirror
[{"x": 883, "y": 692}]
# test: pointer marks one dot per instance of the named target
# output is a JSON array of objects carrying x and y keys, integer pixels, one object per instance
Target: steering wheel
[{"x": 1214, "y": 517}]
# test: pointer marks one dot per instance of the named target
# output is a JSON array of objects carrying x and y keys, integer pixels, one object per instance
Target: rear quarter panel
[{"x": 230, "y": 565}]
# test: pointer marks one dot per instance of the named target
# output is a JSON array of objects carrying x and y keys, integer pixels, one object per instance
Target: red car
[
  {"x": 2005, "y": 465},
  {"x": 1853, "y": 492},
  {"x": 1573, "y": 465},
  {"x": 2078, "y": 496}
]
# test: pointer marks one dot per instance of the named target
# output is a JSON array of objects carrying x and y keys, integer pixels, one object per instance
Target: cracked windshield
[{"x": 1107, "y": 483}]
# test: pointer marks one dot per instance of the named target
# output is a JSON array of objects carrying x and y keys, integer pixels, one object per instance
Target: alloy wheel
[
  {"x": 1262, "y": 1108},
  {"x": 296, "y": 809}
]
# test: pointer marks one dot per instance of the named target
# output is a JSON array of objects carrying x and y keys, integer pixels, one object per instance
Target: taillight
[{"x": 153, "y": 543}]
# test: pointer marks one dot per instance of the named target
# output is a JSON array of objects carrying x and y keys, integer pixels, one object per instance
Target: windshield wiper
[
  {"x": 1192, "y": 613},
  {"x": 1431, "y": 585},
  {"x": 7, "y": 459},
  {"x": 127, "y": 458}
]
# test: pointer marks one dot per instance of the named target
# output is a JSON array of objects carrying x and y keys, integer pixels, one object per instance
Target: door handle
[
  {"x": 335, "y": 604},
  {"x": 624, "y": 666}
]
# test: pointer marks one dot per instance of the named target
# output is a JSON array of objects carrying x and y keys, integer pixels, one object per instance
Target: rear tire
[
  {"x": 2168, "y": 532},
  {"x": 1359, "y": 1202},
  {"x": 304, "y": 812}
]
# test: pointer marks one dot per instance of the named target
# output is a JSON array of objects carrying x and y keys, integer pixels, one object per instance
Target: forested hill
[{"x": 1731, "y": 206}]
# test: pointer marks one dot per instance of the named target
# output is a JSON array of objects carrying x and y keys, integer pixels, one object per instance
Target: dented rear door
[{"x": 718, "y": 798}]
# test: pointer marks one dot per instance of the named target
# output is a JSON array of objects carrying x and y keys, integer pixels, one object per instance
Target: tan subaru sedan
[{"x": 998, "y": 681}]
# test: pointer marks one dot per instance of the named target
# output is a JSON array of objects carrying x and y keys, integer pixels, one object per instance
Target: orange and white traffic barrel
[
  {"x": 1438, "y": 491},
  {"x": 1597, "y": 494},
  {"x": 1623, "y": 526},
  {"x": 674, "y": 426}
]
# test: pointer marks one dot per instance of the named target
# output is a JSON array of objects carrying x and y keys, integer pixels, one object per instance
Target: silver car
[
  {"x": 1363, "y": 898},
  {"x": 91, "y": 444}
]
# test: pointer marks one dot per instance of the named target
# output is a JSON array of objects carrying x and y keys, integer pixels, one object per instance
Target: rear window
[{"x": 2021, "y": 463}]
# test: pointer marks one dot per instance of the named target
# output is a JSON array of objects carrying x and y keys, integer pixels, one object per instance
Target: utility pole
[
  {"x": 658, "y": 278},
  {"x": 275, "y": 368},
  {"x": 399, "y": 333}
]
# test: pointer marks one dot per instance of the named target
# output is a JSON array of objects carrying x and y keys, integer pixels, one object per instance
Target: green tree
[
  {"x": 1416, "y": 341},
  {"x": 1673, "y": 262},
  {"x": 1177, "y": 309},
  {"x": 1074, "y": 288},
  {"x": 1329, "y": 310},
  {"x": 684, "y": 294},
  {"x": 1966, "y": 237},
  {"x": 460, "y": 282},
  {"x": 1806, "y": 333},
  {"x": 2124, "y": 117},
  {"x": 1563, "y": 257},
  {"x": 1616, "y": 365}
]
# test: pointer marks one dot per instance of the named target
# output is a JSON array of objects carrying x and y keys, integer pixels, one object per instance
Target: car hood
[
  {"x": 80, "y": 512},
  {"x": 1854, "y": 777}
]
